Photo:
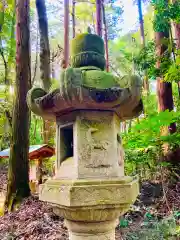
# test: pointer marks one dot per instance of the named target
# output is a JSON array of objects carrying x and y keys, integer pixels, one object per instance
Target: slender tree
[
  {"x": 164, "y": 89},
  {"x": 74, "y": 17},
  {"x": 105, "y": 36},
  {"x": 141, "y": 22},
  {"x": 66, "y": 34},
  {"x": 177, "y": 30},
  {"x": 143, "y": 40},
  {"x": 177, "y": 39},
  {"x": 99, "y": 17},
  {"x": 18, "y": 177},
  {"x": 44, "y": 44},
  {"x": 44, "y": 62}
]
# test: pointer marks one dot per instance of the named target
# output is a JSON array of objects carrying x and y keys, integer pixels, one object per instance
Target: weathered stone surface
[
  {"x": 98, "y": 213},
  {"x": 91, "y": 207},
  {"x": 76, "y": 193},
  {"x": 97, "y": 150},
  {"x": 91, "y": 231},
  {"x": 127, "y": 106}
]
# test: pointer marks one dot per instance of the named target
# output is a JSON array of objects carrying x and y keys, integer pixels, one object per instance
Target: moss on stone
[
  {"x": 88, "y": 59},
  {"x": 99, "y": 79},
  {"x": 87, "y": 42},
  {"x": 87, "y": 50}
]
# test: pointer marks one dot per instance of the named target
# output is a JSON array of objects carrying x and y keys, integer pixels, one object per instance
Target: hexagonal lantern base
[{"x": 91, "y": 207}]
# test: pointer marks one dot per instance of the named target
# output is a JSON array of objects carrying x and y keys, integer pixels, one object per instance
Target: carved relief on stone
[
  {"x": 98, "y": 148},
  {"x": 100, "y": 195},
  {"x": 95, "y": 145}
]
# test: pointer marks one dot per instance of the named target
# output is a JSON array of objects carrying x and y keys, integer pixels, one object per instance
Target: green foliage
[
  {"x": 152, "y": 229},
  {"x": 7, "y": 40},
  {"x": 123, "y": 223},
  {"x": 165, "y": 12},
  {"x": 144, "y": 143},
  {"x": 148, "y": 131},
  {"x": 5, "y": 106},
  {"x": 173, "y": 72},
  {"x": 36, "y": 130},
  {"x": 146, "y": 59},
  {"x": 48, "y": 165},
  {"x": 85, "y": 16}
]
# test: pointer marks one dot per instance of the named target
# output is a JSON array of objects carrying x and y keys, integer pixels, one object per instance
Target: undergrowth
[{"x": 151, "y": 228}]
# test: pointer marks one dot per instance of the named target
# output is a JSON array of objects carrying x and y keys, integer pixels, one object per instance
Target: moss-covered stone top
[
  {"x": 86, "y": 85},
  {"x": 87, "y": 42},
  {"x": 87, "y": 50}
]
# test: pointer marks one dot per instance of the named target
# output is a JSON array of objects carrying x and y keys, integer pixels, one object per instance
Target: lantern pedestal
[
  {"x": 89, "y": 189},
  {"x": 91, "y": 207}
]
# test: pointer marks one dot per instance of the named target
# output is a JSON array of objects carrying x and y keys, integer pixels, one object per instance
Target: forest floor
[{"x": 35, "y": 220}]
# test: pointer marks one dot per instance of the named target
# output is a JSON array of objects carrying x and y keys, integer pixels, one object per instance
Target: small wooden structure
[{"x": 36, "y": 155}]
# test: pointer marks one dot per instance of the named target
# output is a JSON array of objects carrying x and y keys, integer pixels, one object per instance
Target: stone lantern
[{"x": 89, "y": 188}]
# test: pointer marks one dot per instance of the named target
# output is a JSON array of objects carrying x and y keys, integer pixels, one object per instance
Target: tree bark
[
  {"x": 164, "y": 89},
  {"x": 105, "y": 37},
  {"x": 143, "y": 42},
  {"x": 44, "y": 44},
  {"x": 177, "y": 31},
  {"x": 18, "y": 177},
  {"x": 177, "y": 34},
  {"x": 66, "y": 33},
  {"x": 44, "y": 62},
  {"x": 177, "y": 40},
  {"x": 177, "y": 37},
  {"x": 99, "y": 17},
  {"x": 73, "y": 18}
]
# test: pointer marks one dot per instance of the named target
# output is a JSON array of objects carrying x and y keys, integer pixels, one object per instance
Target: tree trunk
[
  {"x": 36, "y": 59},
  {"x": 177, "y": 41},
  {"x": 177, "y": 30},
  {"x": 39, "y": 171},
  {"x": 105, "y": 37},
  {"x": 143, "y": 42},
  {"x": 66, "y": 33},
  {"x": 164, "y": 89},
  {"x": 44, "y": 44},
  {"x": 177, "y": 34},
  {"x": 177, "y": 37},
  {"x": 44, "y": 61},
  {"x": 18, "y": 177},
  {"x": 73, "y": 18},
  {"x": 99, "y": 17}
]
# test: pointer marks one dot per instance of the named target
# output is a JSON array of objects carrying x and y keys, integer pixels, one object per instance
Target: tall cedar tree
[
  {"x": 18, "y": 177},
  {"x": 44, "y": 44},
  {"x": 44, "y": 62},
  {"x": 164, "y": 89}
]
